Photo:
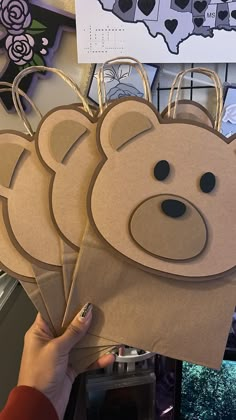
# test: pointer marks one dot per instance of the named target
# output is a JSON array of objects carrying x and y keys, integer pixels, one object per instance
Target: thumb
[{"x": 76, "y": 330}]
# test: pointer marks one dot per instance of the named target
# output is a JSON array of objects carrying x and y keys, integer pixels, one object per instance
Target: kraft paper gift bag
[
  {"x": 69, "y": 258},
  {"x": 179, "y": 319},
  {"x": 82, "y": 364},
  {"x": 59, "y": 130},
  {"x": 161, "y": 248},
  {"x": 66, "y": 142},
  {"x": 11, "y": 261},
  {"x": 56, "y": 140},
  {"x": 25, "y": 206},
  {"x": 86, "y": 158},
  {"x": 65, "y": 139}
]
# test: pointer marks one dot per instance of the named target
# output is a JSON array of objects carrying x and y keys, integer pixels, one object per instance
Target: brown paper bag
[
  {"x": 179, "y": 319},
  {"x": 72, "y": 308},
  {"x": 82, "y": 359},
  {"x": 35, "y": 296},
  {"x": 69, "y": 258},
  {"x": 51, "y": 287},
  {"x": 161, "y": 254}
]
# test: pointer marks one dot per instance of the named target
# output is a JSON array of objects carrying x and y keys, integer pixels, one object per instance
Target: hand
[{"x": 44, "y": 363}]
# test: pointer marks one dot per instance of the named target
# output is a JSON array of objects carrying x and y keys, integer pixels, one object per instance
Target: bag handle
[
  {"x": 218, "y": 88},
  {"x": 7, "y": 87},
  {"x": 121, "y": 60},
  {"x": 34, "y": 69}
]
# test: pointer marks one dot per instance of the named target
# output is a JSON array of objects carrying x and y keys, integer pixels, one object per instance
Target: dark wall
[{"x": 16, "y": 317}]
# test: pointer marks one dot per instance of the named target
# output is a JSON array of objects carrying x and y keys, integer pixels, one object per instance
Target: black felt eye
[
  {"x": 207, "y": 182},
  {"x": 162, "y": 170}
]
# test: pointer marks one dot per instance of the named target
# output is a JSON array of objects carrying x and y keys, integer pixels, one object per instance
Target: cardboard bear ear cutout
[
  {"x": 12, "y": 148},
  {"x": 190, "y": 110},
  {"x": 232, "y": 144},
  {"x": 10, "y": 155},
  {"x": 124, "y": 121},
  {"x": 58, "y": 132}
]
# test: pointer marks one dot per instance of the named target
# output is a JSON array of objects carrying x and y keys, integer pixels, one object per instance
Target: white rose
[{"x": 20, "y": 48}]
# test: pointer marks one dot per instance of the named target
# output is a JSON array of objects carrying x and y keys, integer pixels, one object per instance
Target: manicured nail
[
  {"x": 112, "y": 352},
  {"x": 85, "y": 311}
]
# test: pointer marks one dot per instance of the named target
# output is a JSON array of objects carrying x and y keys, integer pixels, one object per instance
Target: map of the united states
[{"x": 176, "y": 20}]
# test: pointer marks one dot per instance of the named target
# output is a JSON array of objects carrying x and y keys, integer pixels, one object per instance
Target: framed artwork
[
  {"x": 121, "y": 80},
  {"x": 30, "y": 36},
  {"x": 228, "y": 126}
]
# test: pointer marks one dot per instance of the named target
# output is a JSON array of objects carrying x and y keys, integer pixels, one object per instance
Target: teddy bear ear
[
  {"x": 232, "y": 144},
  {"x": 190, "y": 110},
  {"x": 10, "y": 155},
  {"x": 125, "y": 121},
  {"x": 58, "y": 132}
]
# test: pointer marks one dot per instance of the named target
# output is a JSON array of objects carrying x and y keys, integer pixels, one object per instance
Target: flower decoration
[
  {"x": 20, "y": 48},
  {"x": 118, "y": 73},
  {"x": 31, "y": 36},
  {"x": 230, "y": 114},
  {"x": 15, "y": 16},
  {"x": 121, "y": 80},
  {"x": 123, "y": 89}
]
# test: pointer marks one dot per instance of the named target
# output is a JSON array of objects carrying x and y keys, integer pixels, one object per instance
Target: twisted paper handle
[
  {"x": 7, "y": 87},
  {"x": 121, "y": 60},
  {"x": 34, "y": 69},
  {"x": 218, "y": 88}
]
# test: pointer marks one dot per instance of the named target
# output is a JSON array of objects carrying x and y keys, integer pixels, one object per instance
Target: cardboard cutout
[
  {"x": 24, "y": 186},
  {"x": 26, "y": 208},
  {"x": 11, "y": 150},
  {"x": 184, "y": 320},
  {"x": 66, "y": 141},
  {"x": 165, "y": 162},
  {"x": 191, "y": 111},
  {"x": 160, "y": 194},
  {"x": 11, "y": 261}
]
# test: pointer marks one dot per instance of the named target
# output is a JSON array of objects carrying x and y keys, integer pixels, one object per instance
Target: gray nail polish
[{"x": 86, "y": 309}]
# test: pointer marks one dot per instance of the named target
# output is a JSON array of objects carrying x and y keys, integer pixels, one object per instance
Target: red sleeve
[{"x": 28, "y": 404}]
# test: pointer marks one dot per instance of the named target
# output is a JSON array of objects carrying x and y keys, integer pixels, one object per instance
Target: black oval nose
[{"x": 173, "y": 208}]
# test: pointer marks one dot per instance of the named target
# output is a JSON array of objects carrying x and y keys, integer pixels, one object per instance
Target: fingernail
[
  {"x": 112, "y": 352},
  {"x": 85, "y": 311}
]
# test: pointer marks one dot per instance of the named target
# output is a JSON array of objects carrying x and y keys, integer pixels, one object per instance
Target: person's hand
[{"x": 44, "y": 363}]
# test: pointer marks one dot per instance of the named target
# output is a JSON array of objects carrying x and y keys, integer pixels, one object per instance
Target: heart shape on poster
[
  {"x": 182, "y": 4},
  {"x": 198, "y": 22},
  {"x": 233, "y": 14},
  {"x": 146, "y": 6},
  {"x": 171, "y": 25},
  {"x": 200, "y": 5},
  {"x": 125, "y": 5},
  {"x": 223, "y": 14}
]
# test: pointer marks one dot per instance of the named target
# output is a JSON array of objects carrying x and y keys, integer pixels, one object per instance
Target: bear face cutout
[
  {"x": 11, "y": 261},
  {"x": 25, "y": 185},
  {"x": 66, "y": 141},
  {"x": 164, "y": 195},
  {"x": 189, "y": 110}
]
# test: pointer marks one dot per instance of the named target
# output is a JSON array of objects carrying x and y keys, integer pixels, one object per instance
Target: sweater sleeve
[{"x": 28, "y": 404}]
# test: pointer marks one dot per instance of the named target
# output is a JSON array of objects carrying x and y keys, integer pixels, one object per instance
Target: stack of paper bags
[
  {"x": 133, "y": 212},
  {"x": 31, "y": 248}
]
